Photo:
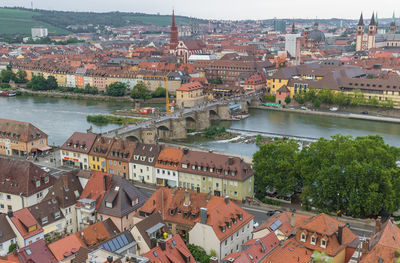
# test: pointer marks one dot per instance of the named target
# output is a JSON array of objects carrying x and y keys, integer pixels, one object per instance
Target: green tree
[
  {"x": 199, "y": 253},
  {"x": 160, "y": 92},
  {"x": 51, "y": 83},
  {"x": 259, "y": 138},
  {"x": 7, "y": 75},
  {"x": 270, "y": 98},
  {"x": 358, "y": 176},
  {"x": 11, "y": 248},
  {"x": 90, "y": 90},
  {"x": 274, "y": 167},
  {"x": 21, "y": 76},
  {"x": 140, "y": 91},
  {"x": 37, "y": 83},
  {"x": 116, "y": 89},
  {"x": 288, "y": 100},
  {"x": 5, "y": 86}
]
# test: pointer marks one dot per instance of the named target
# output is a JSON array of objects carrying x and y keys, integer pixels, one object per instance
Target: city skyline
[{"x": 238, "y": 10}]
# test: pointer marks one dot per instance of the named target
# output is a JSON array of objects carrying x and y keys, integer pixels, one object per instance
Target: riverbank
[
  {"x": 80, "y": 96},
  {"x": 346, "y": 115}
]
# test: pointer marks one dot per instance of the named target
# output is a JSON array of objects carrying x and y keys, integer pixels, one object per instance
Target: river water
[{"x": 59, "y": 118}]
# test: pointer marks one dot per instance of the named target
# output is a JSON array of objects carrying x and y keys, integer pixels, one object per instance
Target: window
[
  {"x": 109, "y": 204},
  {"x": 57, "y": 214},
  {"x": 323, "y": 243},
  {"x": 8, "y": 197},
  {"x": 38, "y": 183},
  {"x": 303, "y": 237},
  {"x": 45, "y": 220},
  {"x": 313, "y": 240},
  {"x": 46, "y": 179}
]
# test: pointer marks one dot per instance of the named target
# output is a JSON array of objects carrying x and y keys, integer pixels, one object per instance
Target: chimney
[
  {"x": 227, "y": 200},
  {"x": 364, "y": 248},
  {"x": 213, "y": 260},
  {"x": 65, "y": 181},
  {"x": 162, "y": 244},
  {"x": 105, "y": 177},
  {"x": 378, "y": 224},
  {"x": 340, "y": 234},
  {"x": 109, "y": 259},
  {"x": 230, "y": 160},
  {"x": 153, "y": 243},
  {"x": 187, "y": 199},
  {"x": 203, "y": 215},
  {"x": 10, "y": 214},
  {"x": 292, "y": 220}
]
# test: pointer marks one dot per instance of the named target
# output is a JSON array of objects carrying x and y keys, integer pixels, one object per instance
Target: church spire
[
  {"x": 173, "y": 17},
  {"x": 372, "y": 23},
  {"x": 361, "y": 22},
  {"x": 394, "y": 17}
]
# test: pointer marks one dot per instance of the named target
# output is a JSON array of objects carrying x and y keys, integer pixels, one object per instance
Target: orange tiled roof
[
  {"x": 290, "y": 252},
  {"x": 23, "y": 220},
  {"x": 169, "y": 158},
  {"x": 96, "y": 187},
  {"x": 65, "y": 247},
  {"x": 191, "y": 86}
]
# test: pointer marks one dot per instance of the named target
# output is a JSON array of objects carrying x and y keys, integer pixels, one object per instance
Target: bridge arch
[
  {"x": 214, "y": 115},
  {"x": 163, "y": 132},
  {"x": 190, "y": 123}
]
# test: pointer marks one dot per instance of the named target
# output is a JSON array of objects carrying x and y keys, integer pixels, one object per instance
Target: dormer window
[
  {"x": 226, "y": 172},
  {"x": 151, "y": 160},
  {"x": 143, "y": 158},
  {"x": 313, "y": 240},
  {"x": 303, "y": 237},
  {"x": 223, "y": 229},
  {"x": 57, "y": 215},
  {"x": 211, "y": 170},
  {"x": 45, "y": 220},
  {"x": 240, "y": 217},
  {"x": 46, "y": 179},
  {"x": 193, "y": 167},
  {"x": 323, "y": 243},
  {"x": 37, "y": 183},
  {"x": 109, "y": 204},
  {"x": 229, "y": 224},
  {"x": 233, "y": 173}
]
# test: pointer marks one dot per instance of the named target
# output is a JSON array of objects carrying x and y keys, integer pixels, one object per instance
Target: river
[{"x": 59, "y": 118}]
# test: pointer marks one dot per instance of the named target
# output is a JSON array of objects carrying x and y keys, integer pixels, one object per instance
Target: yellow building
[
  {"x": 98, "y": 154},
  {"x": 190, "y": 95}
]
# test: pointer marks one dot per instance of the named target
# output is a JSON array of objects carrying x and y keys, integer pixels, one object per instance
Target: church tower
[
  {"x": 393, "y": 25},
  {"x": 360, "y": 34},
  {"x": 372, "y": 31},
  {"x": 173, "y": 43}
]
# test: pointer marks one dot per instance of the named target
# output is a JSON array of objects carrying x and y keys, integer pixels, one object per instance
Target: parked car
[
  {"x": 365, "y": 112},
  {"x": 255, "y": 224},
  {"x": 270, "y": 213}
]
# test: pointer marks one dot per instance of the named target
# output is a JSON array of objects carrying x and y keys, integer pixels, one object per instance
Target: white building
[
  {"x": 292, "y": 44},
  {"x": 223, "y": 227},
  {"x": 7, "y": 237},
  {"x": 39, "y": 32},
  {"x": 141, "y": 166}
]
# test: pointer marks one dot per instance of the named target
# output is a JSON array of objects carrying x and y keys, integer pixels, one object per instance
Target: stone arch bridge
[{"x": 175, "y": 126}]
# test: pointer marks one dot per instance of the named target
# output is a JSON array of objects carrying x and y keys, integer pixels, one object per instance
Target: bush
[
  {"x": 214, "y": 131},
  {"x": 270, "y": 98},
  {"x": 159, "y": 93},
  {"x": 11, "y": 248},
  {"x": 199, "y": 253},
  {"x": 140, "y": 91},
  {"x": 288, "y": 100}
]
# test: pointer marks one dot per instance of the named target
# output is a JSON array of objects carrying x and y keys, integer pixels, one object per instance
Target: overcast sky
[{"x": 226, "y": 9}]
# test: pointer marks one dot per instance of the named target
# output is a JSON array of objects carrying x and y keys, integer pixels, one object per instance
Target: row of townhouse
[
  {"x": 80, "y": 77},
  {"x": 346, "y": 79},
  {"x": 204, "y": 172}
]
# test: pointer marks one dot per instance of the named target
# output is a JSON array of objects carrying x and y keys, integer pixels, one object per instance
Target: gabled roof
[
  {"x": 20, "y": 177},
  {"x": 121, "y": 150},
  {"x": 6, "y": 232},
  {"x": 87, "y": 238},
  {"x": 384, "y": 244},
  {"x": 124, "y": 197},
  {"x": 101, "y": 146},
  {"x": 66, "y": 190},
  {"x": 49, "y": 209},
  {"x": 175, "y": 251},
  {"x": 191, "y": 86},
  {"x": 290, "y": 252},
  {"x": 20, "y": 131},
  {"x": 37, "y": 252},
  {"x": 255, "y": 250},
  {"x": 235, "y": 167},
  {"x": 79, "y": 142},
  {"x": 285, "y": 227},
  {"x": 96, "y": 187},
  {"x": 147, "y": 223},
  {"x": 148, "y": 151},
  {"x": 169, "y": 154},
  {"x": 23, "y": 220}
]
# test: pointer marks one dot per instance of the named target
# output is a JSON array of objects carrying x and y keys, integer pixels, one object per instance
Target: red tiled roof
[
  {"x": 96, "y": 187},
  {"x": 290, "y": 252},
  {"x": 63, "y": 247},
  {"x": 39, "y": 252},
  {"x": 191, "y": 86},
  {"x": 175, "y": 251},
  {"x": 169, "y": 154},
  {"x": 23, "y": 220}
]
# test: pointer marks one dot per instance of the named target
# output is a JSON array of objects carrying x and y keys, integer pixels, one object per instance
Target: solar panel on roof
[
  {"x": 111, "y": 246},
  {"x": 115, "y": 242},
  {"x": 125, "y": 239},
  {"x": 276, "y": 225},
  {"x": 107, "y": 247},
  {"x": 121, "y": 243}
]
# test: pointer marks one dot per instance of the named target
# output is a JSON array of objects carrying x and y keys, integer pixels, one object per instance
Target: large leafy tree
[
  {"x": 140, "y": 91},
  {"x": 7, "y": 75},
  {"x": 37, "y": 83},
  {"x": 274, "y": 166},
  {"x": 116, "y": 89},
  {"x": 359, "y": 176},
  {"x": 51, "y": 83},
  {"x": 20, "y": 77}
]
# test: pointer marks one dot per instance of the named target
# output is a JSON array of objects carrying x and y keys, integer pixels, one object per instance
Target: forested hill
[{"x": 19, "y": 21}]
